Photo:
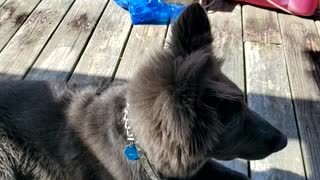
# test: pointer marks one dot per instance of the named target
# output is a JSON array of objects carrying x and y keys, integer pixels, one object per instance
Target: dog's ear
[{"x": 191, "y": 31}]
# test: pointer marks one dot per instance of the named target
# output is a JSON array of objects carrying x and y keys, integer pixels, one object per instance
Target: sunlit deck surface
[{"x": 267, "y": 54}]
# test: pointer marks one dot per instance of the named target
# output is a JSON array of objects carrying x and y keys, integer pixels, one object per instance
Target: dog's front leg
[{"x": 213, "y": 170}]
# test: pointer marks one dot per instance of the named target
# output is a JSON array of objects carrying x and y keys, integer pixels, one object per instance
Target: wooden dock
[{"x": 273, "y": 57}]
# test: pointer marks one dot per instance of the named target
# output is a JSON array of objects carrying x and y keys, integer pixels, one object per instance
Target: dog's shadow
[
  {"x": 96, "y": 80},
  {"x": 284, "y": 174},
  {"x": 314, "y": 61}
]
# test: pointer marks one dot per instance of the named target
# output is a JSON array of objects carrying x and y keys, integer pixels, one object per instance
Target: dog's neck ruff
[{"x": 133, "y": 149}]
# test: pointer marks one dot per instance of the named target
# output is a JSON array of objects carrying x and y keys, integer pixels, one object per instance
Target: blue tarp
[{"x": 151, "y": 11}]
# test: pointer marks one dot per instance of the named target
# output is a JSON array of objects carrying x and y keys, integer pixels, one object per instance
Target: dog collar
[{"x": 133, "y": 152}]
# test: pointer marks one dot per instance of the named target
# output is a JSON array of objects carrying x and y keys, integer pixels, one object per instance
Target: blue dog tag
[{"x": 131, "y": 152}]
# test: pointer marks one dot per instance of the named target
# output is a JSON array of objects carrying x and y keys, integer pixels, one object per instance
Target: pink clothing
[{"x": 297, "y": 7}]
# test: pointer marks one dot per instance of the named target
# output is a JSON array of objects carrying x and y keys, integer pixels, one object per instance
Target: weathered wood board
[
  {"x": 101, "y": 56},
  {"x": 315, "y": 61},
  {"x": 268, "y": 94},
  {"x": 228, "y": 44},
  {"x": 66, "y": 45},
  {"x": 19, "y": 54},
  {"x": 142, "y": 42},
  {"x": 12, "y": 14},
  {"x": 2, "y": 2},
  {"x": 300, "y": 35},
  {"x": 95, "y": 40},
  {"x": 260, "y": 25},
  {"x": 168, "y": 36},
  {"x": 225, "y": 19},
  {"x": 317, "y": 22}
]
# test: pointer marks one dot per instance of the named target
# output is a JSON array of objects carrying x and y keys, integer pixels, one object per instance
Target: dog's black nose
[{"x": 278, "y": 142}]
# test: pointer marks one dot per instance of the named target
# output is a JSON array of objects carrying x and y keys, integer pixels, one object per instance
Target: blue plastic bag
[{"x": 151, "y": 11}]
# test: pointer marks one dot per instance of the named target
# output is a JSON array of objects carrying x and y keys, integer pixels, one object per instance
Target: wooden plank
[
  {"x": 2, "y": 2},
  {"x": 12, "y": 14},
  {"x": 64, "y": 48},
  {"x": 142, "y": 42},
  {"x": 227, "y": 31},
  {"x": 100, "y": 58},
  {"x": 317, "y": 22},
  {"x": 269, "y": 95},
  {"x": 260, "y": 25},
  {"x": 315, "y": 61},
  {"x": 19, "y": 54},
  {"x": 228, "y": 45},
  {"x": 298, "y": 36}
]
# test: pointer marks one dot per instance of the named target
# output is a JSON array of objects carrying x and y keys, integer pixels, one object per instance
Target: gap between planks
[
  {"x": 23, "y": 49},
  {"x": 260, "y": 25},
  {"x": 226, "y": 28},
  {"x": 269, "y": 95},
  {"x": 13, "y": 13},
  {"x": 103, "y": 53},
  {"x": 299, "y": 36},
  {"x": 2, "y": 2},
  {"x": 62, "y": 52},
  {"x": 141, "y": 44},
  {"x": 261, "y": 31}
]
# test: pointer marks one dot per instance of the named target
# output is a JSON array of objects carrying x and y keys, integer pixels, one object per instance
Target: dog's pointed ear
[{"x": 191, "y": 31}]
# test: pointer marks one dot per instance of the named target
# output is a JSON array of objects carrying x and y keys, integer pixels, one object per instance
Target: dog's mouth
[
  {"x": 247, "y": 156},
  {"x": 243, "y": 156},
  {"x": 255, "y": 157},
  {"x": 224, "y": 157}
]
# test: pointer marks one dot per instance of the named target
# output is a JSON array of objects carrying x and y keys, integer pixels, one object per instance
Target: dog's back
[
  {"x": 36, "y": 138},
  {"x": 33, "y": 105},
  {"x": 31, "y": 125}
]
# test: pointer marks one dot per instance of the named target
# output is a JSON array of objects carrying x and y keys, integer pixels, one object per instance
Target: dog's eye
[
  {"x": 237, "y": 106},
  {"x": 229, "y": 111},
  {"x": 233, "y": 123},
  {"x": 231, "y": 106}
]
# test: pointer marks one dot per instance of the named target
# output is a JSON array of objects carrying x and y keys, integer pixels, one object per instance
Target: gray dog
[{"x": 175, "y": 114}]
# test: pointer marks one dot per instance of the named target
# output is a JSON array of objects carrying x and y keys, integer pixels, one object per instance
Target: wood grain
[
  {"x": 269, "y": 95},
  {"x": 168, "y": 36},
  {"x": 105, "y": 47},
  {"x": 300, "y": 35},
  {"x": 66, "y": 45},
  {"x": 17, "y": 57},
  {"x": 2, "y": 2},
  {"x": 12, "y": 14},
  {"x": 142, "y": 42},
  {"x": 227, "y": 31},
  {"x": 260, "y": 25},
  {"x": 317, "y": 22}
]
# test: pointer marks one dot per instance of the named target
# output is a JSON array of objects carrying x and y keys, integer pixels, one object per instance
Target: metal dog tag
[{"x": 131, "y": 152}]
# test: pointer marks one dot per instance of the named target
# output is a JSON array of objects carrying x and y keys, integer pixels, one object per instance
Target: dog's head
[{"x": 184, "y": 110}]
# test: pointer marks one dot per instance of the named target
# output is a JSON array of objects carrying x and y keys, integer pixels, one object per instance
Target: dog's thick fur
[{"x": 182, "y": 111}]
